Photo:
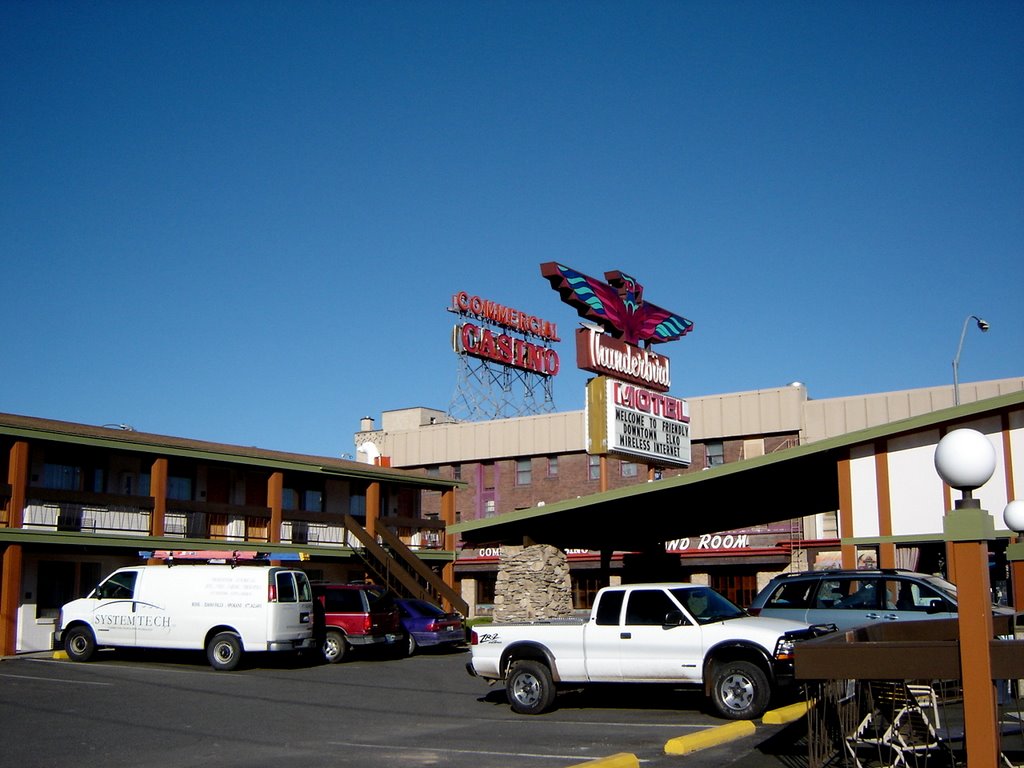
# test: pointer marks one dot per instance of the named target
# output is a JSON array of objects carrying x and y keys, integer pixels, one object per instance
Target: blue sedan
[{"x": 427, "y": 625}]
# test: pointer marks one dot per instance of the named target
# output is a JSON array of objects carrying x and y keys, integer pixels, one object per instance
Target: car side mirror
[{"x": 673, "y": 619}]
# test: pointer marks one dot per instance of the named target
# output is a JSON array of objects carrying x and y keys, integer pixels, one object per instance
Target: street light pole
[{"x": 983, "y": 326}]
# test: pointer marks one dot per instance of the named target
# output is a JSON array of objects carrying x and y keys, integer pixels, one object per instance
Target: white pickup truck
[{"x": 679, "y": 634}]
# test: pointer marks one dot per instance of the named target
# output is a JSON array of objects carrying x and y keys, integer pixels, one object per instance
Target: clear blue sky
[{"x": 243, "y": 221}]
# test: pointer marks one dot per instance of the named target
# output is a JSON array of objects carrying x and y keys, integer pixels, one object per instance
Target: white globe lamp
[
  {"x": 1013, "y": 516},
  {"x": 965, "y": 460}
]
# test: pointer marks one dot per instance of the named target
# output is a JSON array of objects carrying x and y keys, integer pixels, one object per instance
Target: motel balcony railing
[
  {"x": 117, "y": 515},
  {"x": 73, "y": 511}
]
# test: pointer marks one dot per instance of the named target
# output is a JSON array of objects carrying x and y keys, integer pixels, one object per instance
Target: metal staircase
[{"x": 399, "y": 569}]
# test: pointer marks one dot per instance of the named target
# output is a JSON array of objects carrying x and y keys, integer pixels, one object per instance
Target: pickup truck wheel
[
  {"x": 529, "y": 687},
  {"x": 740, "y": 690},
  {"x": 224, "y": 651},
  {"x": 79, "y": 644},
  {"x": 334, "y": 647}
]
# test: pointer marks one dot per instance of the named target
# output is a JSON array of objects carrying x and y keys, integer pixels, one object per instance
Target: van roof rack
[{"x": 230, "y": 556}]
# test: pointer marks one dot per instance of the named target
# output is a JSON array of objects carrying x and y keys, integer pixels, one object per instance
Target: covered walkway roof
[{"x": 792, "y": 483}]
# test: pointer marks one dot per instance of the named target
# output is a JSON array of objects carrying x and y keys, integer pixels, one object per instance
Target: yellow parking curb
[
  {"x": 787, "y": 714},
  {"x": 710, "y": 737},
  {"x": 620, "y": 760},
  {"x": 60, "y": 655}
]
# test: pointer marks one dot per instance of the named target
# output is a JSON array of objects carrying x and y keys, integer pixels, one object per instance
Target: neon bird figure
[{"x": 618, "y": 305}]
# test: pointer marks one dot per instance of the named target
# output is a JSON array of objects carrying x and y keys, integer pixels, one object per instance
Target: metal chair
[{"x": 901, "y": 725}]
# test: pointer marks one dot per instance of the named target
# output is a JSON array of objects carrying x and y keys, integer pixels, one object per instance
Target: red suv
[{"x": 354, "y": 615}]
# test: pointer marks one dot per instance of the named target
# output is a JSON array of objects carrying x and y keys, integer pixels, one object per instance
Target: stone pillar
[{"x": 533, "y": 583}]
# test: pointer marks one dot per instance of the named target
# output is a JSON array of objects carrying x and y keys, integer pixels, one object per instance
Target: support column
[
  {"x": 886, "y": 550},
  {"x": 1015, "y": 547},
  {"x": 275, "y": 500},
  {"x": 848, "y": 552},
  {"x": 17, "y": 478},
  {"x": 372, "y": 508},
  {"x": 1017, "y": 572},
  {"x": 947, "y": 497},
  {"x": 604, "y": 472},
  {"x": 10, "y": 589},
  {"x": 448, "y": 516},
  {"x": 968, "y": 528},
  {"x": 10, "y": 569},
  {"x": 606, "y": 566},
  {"x": 158, "y": 490}
]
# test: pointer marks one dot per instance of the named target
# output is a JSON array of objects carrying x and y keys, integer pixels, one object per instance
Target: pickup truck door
[
  {"x": 650, "y": 650},
  {"x": 603, "y": 637}
]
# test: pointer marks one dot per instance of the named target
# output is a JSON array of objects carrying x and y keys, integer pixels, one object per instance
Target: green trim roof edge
[
  {"x": 149, "y": 543},
  {"x": 870, "y": 434},
  {"x": 67, "y": 432}
]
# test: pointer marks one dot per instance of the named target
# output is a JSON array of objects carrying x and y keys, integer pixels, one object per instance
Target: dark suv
[
  {"x": 854, "y": 598},
  {"x": 354, "y": 615}
]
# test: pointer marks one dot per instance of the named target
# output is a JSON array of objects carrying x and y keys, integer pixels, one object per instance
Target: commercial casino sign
[{"x": 501, "y": 334}]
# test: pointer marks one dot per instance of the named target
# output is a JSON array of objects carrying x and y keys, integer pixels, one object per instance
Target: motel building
[{"x": 80, "y": 501}]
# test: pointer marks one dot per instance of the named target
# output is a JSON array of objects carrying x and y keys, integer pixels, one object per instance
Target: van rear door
[{"x": 291, "y": 608}]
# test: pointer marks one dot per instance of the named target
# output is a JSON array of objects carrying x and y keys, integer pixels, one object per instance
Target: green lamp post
[{"x": 965, "y": 460}]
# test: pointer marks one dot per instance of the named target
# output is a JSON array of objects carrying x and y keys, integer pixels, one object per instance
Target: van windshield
[{"x": 120, "y": 586}]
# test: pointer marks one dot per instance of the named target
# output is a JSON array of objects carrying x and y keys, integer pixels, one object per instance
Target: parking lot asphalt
[{"x": 751, "y": 745}]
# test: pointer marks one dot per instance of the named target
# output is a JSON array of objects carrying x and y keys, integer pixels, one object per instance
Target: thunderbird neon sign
[{"x": 618, "y": 306}]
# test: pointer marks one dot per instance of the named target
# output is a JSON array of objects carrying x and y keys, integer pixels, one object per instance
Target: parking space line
[
  {"x": 619, "y": 760},
  {"x": 442, "y": 752},
  {"x": 54, "y": 680}
]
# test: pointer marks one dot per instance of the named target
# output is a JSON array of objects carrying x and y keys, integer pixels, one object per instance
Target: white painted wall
[
  {"x": 865, "y": 498},
  {"x": 915, "y": 489},
  {"x": 916, "y": 493}
]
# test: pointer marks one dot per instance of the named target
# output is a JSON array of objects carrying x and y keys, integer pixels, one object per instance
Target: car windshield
[
  {"x": 947, "y": 589},
  {"x": 423, "y": 608},
  {"x": 707, "y": 606}
]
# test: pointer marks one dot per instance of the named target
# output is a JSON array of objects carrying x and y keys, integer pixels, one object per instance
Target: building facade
[{"x": 517, "y": 464}]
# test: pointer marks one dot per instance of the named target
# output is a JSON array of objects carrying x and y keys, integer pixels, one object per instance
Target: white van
[{"x": 226, "y": 610}]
